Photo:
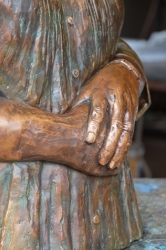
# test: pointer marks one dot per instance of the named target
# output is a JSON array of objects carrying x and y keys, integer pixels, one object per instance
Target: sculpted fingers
[
  {"x": 124, "y": 144},
  {"x": 117, "y": 113},
  {"x": 98, "y": 110},
  {"x": 125, "y": 138}
]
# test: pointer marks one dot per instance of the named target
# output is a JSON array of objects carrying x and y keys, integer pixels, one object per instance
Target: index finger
[{"x": 98, "y": 109}]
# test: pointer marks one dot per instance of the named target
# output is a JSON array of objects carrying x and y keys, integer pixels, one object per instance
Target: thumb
[{"x": 81, "y": 98}]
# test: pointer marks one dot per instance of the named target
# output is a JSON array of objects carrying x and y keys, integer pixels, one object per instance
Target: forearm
[
  {"x": 29, "y": 134},
  {"x": 14, "y": 122}
]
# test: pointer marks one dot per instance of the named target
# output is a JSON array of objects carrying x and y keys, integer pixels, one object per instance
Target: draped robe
[{"x": 49, "y": 49}]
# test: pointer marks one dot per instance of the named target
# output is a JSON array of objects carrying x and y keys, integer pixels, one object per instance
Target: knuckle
[
  {"x": 97, "y": 113},
  {"x": 109, "y": 150},
  {"x": 119, "y": 152},
  {"x": 116, "y": 125},
  {"x": 128, "y": 127},
  {"x": 112, "y": 98},
  {"x": 98, "y": 110},
  {"x": 111, "y": 143}
]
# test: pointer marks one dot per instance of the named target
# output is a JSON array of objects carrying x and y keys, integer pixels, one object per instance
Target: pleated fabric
[
  {"x": 50, "y": 207},
  {"x": 40, "y": 50}
]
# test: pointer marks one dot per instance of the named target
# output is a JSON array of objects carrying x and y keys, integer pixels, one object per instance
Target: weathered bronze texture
[{"x": 70, "y": 93}]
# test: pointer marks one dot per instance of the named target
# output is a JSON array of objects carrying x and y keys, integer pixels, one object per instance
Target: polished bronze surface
[{"x": 70, "y": 93}]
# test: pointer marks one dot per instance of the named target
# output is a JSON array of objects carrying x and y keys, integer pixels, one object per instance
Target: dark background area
[
  {"x": 142, "y": 17},
  {"x": 141, "y": 12}
]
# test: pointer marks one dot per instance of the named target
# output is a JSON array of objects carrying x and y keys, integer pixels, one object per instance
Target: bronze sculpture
[{"x": 70, "y": 90}]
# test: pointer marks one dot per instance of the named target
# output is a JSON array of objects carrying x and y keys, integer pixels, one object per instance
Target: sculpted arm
[{"x": 29, "y": 134}]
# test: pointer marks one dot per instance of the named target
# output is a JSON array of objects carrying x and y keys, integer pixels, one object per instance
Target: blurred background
[{"x": 145, "y": 31}]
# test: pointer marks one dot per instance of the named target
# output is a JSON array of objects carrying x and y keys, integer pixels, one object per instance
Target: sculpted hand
[{"x": 113, "y": 94}]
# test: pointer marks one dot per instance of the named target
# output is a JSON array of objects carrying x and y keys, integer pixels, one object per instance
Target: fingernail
[
  {"x": 112, "y": 165},
  {"x": 90, "y": 138},
  {"x": 102, "y": 161}
]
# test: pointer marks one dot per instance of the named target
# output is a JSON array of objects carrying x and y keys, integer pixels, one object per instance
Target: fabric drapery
[{"x": 48, "y": 50}]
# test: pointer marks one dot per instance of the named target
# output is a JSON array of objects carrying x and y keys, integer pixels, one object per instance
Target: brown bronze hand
[{"x": 113, "y": 91}]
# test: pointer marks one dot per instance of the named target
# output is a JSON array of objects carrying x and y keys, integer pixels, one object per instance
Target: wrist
[
  {"x": 133, "y": 70},
  {"x": 145, "y": 99},
  {"x": 41, "y": 138}
]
